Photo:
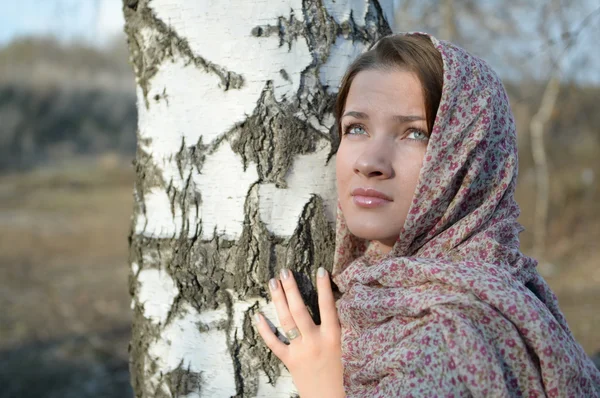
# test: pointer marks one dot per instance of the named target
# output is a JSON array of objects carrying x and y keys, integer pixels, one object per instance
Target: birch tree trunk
[
  {"x": 537, "y": 125},
  {"x": 234, "y": 178}
]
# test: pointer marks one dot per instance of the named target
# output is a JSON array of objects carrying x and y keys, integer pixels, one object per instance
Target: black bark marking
[
  {"x": 182, "y": 381},
  {"x": 252, "y": 254},
  {"x": 309, "y": 248},
  {"x": 257, "y": 31},
  {"x": 131, "y": 4},
  {"x": 166, "y": 44},
  {"x": 285, "y": 75},
  {"x": 148, "y": 254},
  {"x": 272, "y": 137}
]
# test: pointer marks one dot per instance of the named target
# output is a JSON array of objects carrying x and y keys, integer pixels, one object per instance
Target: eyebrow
[{"x": 398, "y": 118}]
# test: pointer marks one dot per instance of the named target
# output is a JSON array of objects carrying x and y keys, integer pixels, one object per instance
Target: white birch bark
[{"x": 235, "y": 178}]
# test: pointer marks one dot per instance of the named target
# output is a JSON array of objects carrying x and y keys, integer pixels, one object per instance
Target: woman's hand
[{"x": 314, "y": 357}]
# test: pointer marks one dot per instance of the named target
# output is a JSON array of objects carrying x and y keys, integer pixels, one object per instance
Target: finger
[
  {"x": 279, "y": 348},
  {"x": 327, "y": 308},
  {"x": 296, "y": 303},
  {"x": 286, "y": 320}
]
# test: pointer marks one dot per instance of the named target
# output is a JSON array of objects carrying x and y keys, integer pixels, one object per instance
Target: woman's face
[{"x": 384, "y": 139}]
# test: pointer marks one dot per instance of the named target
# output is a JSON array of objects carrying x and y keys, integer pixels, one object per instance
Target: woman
[{"x": 437, "y": 298}]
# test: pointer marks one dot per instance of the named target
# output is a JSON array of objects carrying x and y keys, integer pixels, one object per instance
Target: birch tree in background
[
  {"x": 234, "y": 178},
  {"x": 543, "y": 117}
]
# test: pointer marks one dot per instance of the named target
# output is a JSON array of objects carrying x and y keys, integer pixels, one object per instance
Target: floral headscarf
[{"x": 456, "y": 309}]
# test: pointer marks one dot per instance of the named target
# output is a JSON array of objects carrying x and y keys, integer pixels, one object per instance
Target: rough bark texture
[{"x": 198, "y": 270}]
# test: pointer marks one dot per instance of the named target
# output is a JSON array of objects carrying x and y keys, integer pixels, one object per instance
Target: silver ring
[{"x": 292, "y": 334}]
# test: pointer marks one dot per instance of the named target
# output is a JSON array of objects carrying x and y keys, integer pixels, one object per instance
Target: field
[{"x": 64, "y": 324}]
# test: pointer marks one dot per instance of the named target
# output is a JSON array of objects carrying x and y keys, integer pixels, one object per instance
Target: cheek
[
  {"x": 343, "y": 168},
  {"x": 410, "y": 164},
  {"x": 411, "y": 179}
]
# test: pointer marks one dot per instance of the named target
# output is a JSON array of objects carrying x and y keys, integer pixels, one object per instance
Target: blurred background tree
[{"x": 67, "y": 138}]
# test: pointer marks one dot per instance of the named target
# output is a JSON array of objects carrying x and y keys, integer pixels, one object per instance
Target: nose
[{"x": 375, "y": 161}]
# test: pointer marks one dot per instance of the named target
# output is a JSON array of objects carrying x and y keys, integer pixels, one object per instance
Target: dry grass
[
  {"x": 63, "y": 270},
  {"x": 571, "y": 264}
]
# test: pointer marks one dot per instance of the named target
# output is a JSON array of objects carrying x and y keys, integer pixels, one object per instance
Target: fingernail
[
  {"x": 285, "y": 273},
  {"x": 321, "y": 272},
  {"x": 257, "y": 317},
  {"x": 273, "y": 284}
]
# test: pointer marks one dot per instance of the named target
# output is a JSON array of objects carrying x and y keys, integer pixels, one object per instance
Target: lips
[
  {"x": 369, "y": 198},
  {"x": 370, "y": 192}
]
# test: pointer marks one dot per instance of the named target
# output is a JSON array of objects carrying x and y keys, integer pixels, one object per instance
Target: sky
[
  {"x": 99, "y": 21},
  {"x": 92, "y": 21}
]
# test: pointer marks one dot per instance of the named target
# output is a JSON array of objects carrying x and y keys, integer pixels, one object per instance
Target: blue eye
[
  {"x": 418, "y": 135},
  {"x": 355, "y": 129}
]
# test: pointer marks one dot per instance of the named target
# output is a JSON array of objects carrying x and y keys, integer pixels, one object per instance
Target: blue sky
[{"x": 95, "y": 21}]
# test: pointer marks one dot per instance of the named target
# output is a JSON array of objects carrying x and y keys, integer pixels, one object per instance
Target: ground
[
  {"x": 64, "y": 324},
  {"x": 65, "y": 319}
]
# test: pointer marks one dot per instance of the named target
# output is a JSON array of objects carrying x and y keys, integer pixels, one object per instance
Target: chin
[{"x": 372, "y": 231}]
